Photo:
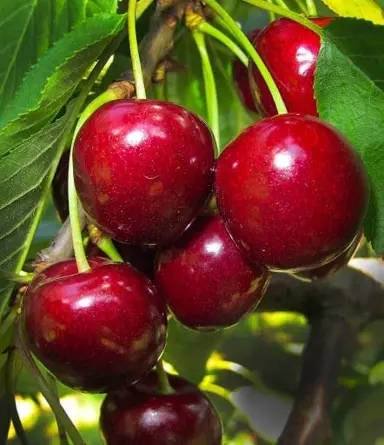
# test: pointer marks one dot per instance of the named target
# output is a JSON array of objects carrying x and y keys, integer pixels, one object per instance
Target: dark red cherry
[
  {"x": 143, "y": 169},
  {"x": 142, "y": 415},
  {"x": 60, "y": 187},
  {"x": 205, "y": 279},
  {"x": 333, "y": 266},
  {"x": 290, "y": 52},
  {"x": 95, "y": 330},
  {"x": 292, "y": 191},
  {"x": 240, "y": 76}
]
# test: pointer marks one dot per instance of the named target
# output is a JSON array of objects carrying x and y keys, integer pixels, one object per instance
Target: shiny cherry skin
[
  {"x": 60, "y": 187},
  {"x": 94, "y": 330},
  {"x": 329, "y": 269},
  {"x": 292, "y": 191},
  {"x": 142, "y": 415},
  {"x": 290, "y": 52},
  {"x": 206, "y": 280},
  {"x": 241, "y": 79},
  {"x": 143, "y": 169}
]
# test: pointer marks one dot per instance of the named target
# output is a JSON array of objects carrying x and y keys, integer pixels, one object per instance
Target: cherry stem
[
  {"x": 60, "y": 428},
  {"x": 284, "y": 13},
  {"x": 312, "y": 10},
  {"x": 272, "y": 15},
  {"x": 107, "y": 246},
  {"x": 21, "y": 277},
  {"x": 10, "y": 388},
  {"x": 73, "y": 202},
  {"x": 45, "y": 389},
  {"x": 210, "y": 86},
  {"x": 134, "y": 50},
  {"x": 233, "y": 27},
  {"x": 207, "y": 28},
  {"x": 142, "y": 6},
  {"x": 165, "y": 386}
]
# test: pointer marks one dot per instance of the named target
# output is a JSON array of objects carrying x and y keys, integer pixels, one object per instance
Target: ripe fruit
[
  {"x": 205, "y": 280},
  {"x": 333, "y": 266},
  {"x": 94, "y": 330},
  {"x": 240, "y": 76},
  {"x": 142, "y": 415},
  {"x": 290, "y": 52},
  {"x": 292, "y": 192},
  {"x": 143, "y": 169}
]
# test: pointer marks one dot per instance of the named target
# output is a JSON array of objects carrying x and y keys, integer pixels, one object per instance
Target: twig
[
  {"x": 309, "y": 421},
  {"x": 337, "y": 308}
]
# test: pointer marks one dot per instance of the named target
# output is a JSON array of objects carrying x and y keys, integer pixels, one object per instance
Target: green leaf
[
  {"x": 28, "y": 29},
  {"x": 188, "y": 351},
  {"x": 99, "y": 6},
  {"x": 52, "y": 81},
  {"x": 349, "y": 88},
  {"x": 376, "y": 374},
  {"x": 24, "y": 180}
]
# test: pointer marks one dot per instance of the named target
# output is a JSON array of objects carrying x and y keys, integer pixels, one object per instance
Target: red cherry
[
  {"x": 292, "y": 192},
  {"x": 60, "y": 187},
  {"x": 206, "y": 281},
  {"x": 333, "y": 266},
  {"x": 240, "y": 76},
  {"x": 94, "y": 330},
  {"x": 142, "y": 416},
  {"x": 143, "y": 169},
  {"x": 290, "y": 52}
]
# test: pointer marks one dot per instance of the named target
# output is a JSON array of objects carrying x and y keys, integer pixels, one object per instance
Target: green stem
[
  {"x": 281, "y": 3},
  {"x": 106, "y": 245},
  {"x": 21, "y": 277},
  {"x": 263, "y": 4},
  {"x": 210, "y": 86},
  {"x": 60, "y": 428},
  {"x": 159, "y": 90},
  {"x": 272, "y": 15},
  {"x": 73, "y": 202},
  {"x": 312, "y": 10},
  {"x": 45, "y": 389},
  {"x": 142, "y": 6},
  {"x": 207, "y": 28},
  {"x": 134, "y": 50},
  {"x": 10, "y": 388},
  {"x": 302, "y": 6},
  {"x": 233, "y": 27},
  {"x": 165, "y": 386}
]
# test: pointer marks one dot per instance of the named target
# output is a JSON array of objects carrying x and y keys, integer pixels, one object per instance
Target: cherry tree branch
[{"x": 337, "y": 308}]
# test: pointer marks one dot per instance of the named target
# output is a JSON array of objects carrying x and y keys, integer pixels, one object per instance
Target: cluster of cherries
[{"x": 291, "y": 196}]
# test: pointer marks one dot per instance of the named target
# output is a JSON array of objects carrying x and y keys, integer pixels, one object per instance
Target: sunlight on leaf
[{"x": 361, "y": 9}]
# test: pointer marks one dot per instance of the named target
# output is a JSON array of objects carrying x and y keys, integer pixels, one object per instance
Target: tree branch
[{"x": 337, "y": 309}]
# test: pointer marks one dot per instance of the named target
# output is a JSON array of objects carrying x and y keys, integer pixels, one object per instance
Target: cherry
[
  {"x": 60, "y": 187},
  {"x": 290, "y": 52},
  {"x": 333, "y": 266},
  {"x": 143, "y": 169},
  {"x": 205, "y": 280},
  {"x": 94, "y": 330},
  {"x": 142, "y": 415},
  {"x": 292, "y": 191},
  {"x": 240, "y": 76}
]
